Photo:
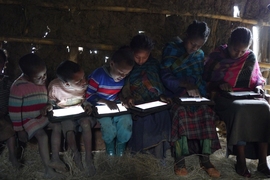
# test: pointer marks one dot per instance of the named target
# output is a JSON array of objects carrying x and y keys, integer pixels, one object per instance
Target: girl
[
  {"x": 28, "y": 108},
  {"x": 193, "y": 129}
]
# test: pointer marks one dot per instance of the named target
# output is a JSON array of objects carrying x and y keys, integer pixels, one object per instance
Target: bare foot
[
  {"x": 90, "y": 168},
  {"x": 15, "y": 163},
  {"x": 58, "y": 165},
  {"x": 51, "y": 174},
  {"x": 78, "y": 161}
]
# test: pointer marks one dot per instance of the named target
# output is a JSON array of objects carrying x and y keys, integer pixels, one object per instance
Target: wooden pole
[
  {"x": 264, "y": 65},
  {"x": 74, "y": 7},
  {"x": 59, "y": 42}
]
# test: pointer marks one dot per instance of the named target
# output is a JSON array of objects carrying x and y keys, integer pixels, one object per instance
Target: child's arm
[
  {"x": 15, "y": 113},
  {"x": 51, "y": 97}
]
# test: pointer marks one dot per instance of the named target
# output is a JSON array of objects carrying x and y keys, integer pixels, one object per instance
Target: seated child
[
  {"x": 28, "y": 106},
  {"x": 104, "y": 84},
  {"x": 6, "y": 130},
  {"x": 69, "y": 90}
]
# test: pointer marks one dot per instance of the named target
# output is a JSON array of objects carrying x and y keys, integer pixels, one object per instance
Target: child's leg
[
  {"x": 68, "y": 127},
  {"x": 108, "y": 131},
  {"x": 42, "y": 139},
  {"x": 124, "y": 130},
  {"x": 11, "y": 150},
  {"x": 56, "y": 163},
  {"x": 87, "y": 140}
]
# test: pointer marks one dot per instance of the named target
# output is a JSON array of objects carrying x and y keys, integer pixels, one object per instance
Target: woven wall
[{"x": 106, "y": 25}]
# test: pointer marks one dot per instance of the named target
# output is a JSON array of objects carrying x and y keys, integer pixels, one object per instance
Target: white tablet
[
  {"x": 193, "y": 99},
  {"x": 104, "y": 109},
  {"x": 244, "y": 93},
  {"x": 73, "y": 110},
  {"x": 149, "y": 105}
]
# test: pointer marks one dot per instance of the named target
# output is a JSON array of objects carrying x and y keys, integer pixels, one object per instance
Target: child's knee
[
  {"x": 108, "y": 133},
  {"x": 85, "y": 125},
  {"x": 56, "y": 127}
]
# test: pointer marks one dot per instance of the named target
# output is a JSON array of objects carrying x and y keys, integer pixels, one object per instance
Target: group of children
[
  {"x": 28, "y": 101},
  {"x": 132, "y": 76}
]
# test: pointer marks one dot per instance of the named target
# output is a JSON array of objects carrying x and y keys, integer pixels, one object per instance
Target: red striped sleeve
[
  {"x": 35, "y": 107},
  {"x": 108, "y": 91}
]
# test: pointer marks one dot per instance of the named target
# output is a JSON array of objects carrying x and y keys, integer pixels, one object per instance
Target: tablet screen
[
  {"x": 73, "y": 110},
  {"x": 104, "y": 109},
  {"x": 150, "y": 105},
  {"x": 193, "y": 99},
  {"x": 244, "y": 93}
]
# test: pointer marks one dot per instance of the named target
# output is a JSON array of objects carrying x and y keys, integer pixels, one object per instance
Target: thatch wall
[{"x": 106, "y": 25}]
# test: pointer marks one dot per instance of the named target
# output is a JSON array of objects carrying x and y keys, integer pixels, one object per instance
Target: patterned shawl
[
  {"x": 188, "y": 67},
  {"x": 144, "y": 82},
  {"x": 242, "y": 73}
]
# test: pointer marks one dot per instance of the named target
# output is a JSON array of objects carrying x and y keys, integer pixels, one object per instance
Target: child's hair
[
  {"x": 124, "y": 55},
  {"x": 66, "y": 70},
  {"x": 241, "y": 35},
  {"x": 198, "y": 30},
  {"x": 141, "y": 42},
  {"x": 29, "y": 63},
  {"x": 3, "y": 56}
]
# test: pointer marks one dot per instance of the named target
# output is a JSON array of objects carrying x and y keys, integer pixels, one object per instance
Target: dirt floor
[{"x": 135, "y": 167}]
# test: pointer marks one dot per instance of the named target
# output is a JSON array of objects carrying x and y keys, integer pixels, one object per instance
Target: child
[
  {"x": 28, "y": 107},
  {"x": 69, "y": 90},
  {"x": 103, "y": 87},
  {"x": 6, "y": 130},
  {"x": 150, "y": 133}
]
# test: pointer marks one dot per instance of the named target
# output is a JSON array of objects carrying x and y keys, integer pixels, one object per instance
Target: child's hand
[
  {"x": 128, "y": 102},
  {"x": 192, "y": 90},
  {"x": 259, "y": 89},
  {"x": 46, "y": 109},
  {"x": 88, "y": 109},
  {"x": 225, "y": 87},
  {"x": 112, "y": 105},
  {"x": 166, "y": 99}
]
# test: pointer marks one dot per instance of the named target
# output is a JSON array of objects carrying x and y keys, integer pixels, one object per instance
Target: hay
[{"x": 138, "y": 166}]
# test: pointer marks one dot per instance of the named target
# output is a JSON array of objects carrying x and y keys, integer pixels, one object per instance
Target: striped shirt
[
  {"x": 25, "y": 102},
  {"x": 102, "y": 86}
]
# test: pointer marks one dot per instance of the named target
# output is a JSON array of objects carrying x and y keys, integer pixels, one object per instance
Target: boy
[
  {"x": 104, "y": 84},
  {"x": 69, "y": 90}
]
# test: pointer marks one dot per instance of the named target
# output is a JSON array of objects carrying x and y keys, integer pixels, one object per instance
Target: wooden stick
[
  {"x": 264, "y": 65},
  {"x": 134, "y": 10},
  {"x": 59, "y": 42}
]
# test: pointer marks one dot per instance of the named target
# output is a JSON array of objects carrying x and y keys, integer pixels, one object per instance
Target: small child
[
  {"x": 104, "y": 84},
  {"x": 69, "y": 90},
  {"x": 6, "y": 130},
  {"x": 28, "y": 105}
]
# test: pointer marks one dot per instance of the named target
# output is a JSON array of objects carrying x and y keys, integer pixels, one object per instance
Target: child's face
[
  {"x": 39, "y": 76},
  {"x": 78, "y": 80},
  {"x": 193, "y": 45},
  {"x": 237, "y": 51},
  {"x": 141, "y": 56},
  {"x": 119, "y": 71}
]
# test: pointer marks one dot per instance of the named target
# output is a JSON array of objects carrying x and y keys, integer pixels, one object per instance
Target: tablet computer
[
  {"x": 73, "y": 112},
  {"x": 150, "y": 107},
  {"x": 104, "y": 111},
  {"x": 194, "y": 101},
  {"x": 244, "y": 93},
  {"x": 241, "y": 94}
]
